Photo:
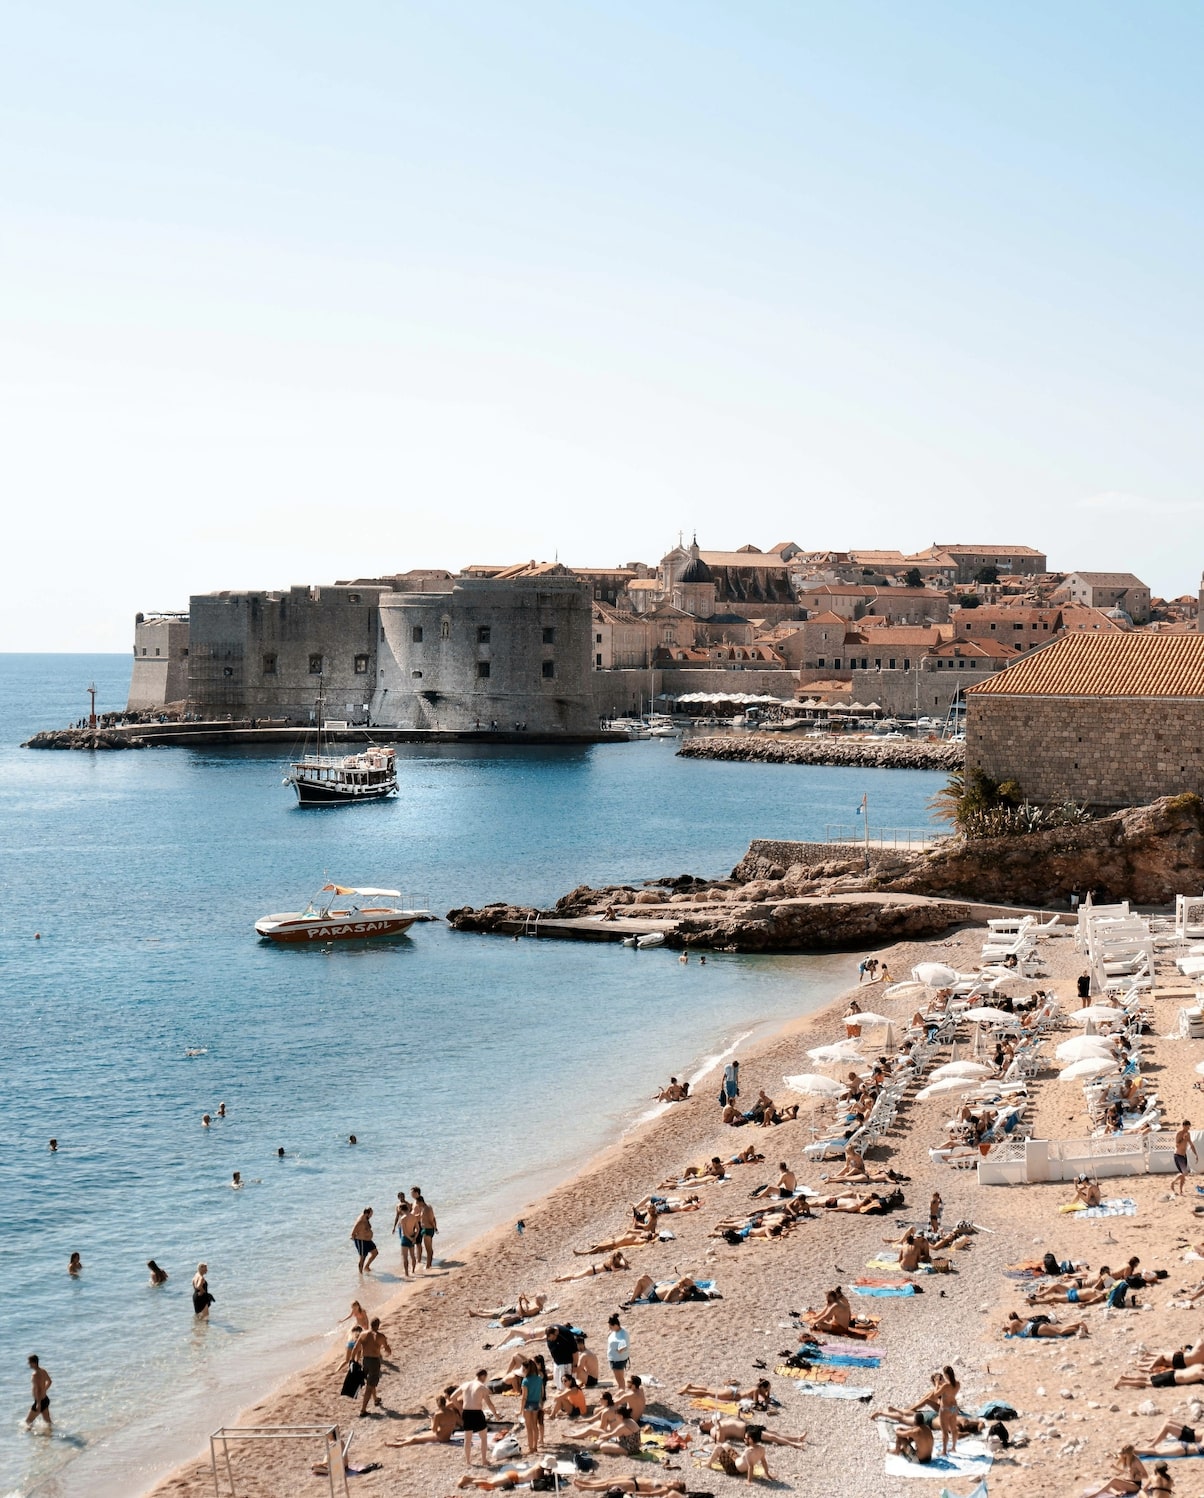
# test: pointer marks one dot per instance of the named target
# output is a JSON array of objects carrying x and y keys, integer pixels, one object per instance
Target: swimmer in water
[
  {"x": 205, "y": 1120},
  {"x": 75, "y": 1265},
  {"x": 221, "y": 1110},
  {"x": 157, "y": 1276},
  {"x": 351, "y": 1139},
  {"x": 236, "y": 1183},
  {"x": 280, "y": 1153},
  {"x": 54, "y": 1144}
]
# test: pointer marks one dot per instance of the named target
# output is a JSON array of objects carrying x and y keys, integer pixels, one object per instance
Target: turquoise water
[{"x": 481, "y": 1068}]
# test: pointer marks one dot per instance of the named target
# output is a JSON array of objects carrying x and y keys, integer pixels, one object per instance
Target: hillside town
[{"x": 557, "y": 647}]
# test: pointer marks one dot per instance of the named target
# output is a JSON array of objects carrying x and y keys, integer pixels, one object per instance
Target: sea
[{"x": 135, "y": 997}]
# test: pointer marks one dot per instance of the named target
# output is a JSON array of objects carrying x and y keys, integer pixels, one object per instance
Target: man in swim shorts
[
  {"x": 405, "y": 1221},
  {"x": 427, "y": 1226},
  {"x": 41, "y": 1382},
  {"x": 1183, "y": 1143},
  {"x": 361, "y": 1236},
  {"x": 476, "y": 1400},
  {"x": 369, "y": 1349}
]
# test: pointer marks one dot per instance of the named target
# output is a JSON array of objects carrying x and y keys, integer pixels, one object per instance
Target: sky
[{"x": 294, "y": 292}]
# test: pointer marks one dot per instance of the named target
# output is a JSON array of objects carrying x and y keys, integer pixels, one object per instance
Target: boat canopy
[{"x": 340, "y": 889}]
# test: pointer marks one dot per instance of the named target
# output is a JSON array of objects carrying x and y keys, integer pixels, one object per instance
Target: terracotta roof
[
  {"x": 993, "y": 650},
  {"x": 757, "y": 559},
  {"x": 644, "y": 584},
  {"x": 1106, "y": 665},
  {"x": 1108, "y": 579},
  {"x": 611, "y": 615},
  {"x": 958, "y": 547},
  {"x": 880, "y": 635},
  {"x": 827, "y": 617}
]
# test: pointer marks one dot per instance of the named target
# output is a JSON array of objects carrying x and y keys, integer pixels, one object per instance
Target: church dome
[{"x": 696, "y": 571}]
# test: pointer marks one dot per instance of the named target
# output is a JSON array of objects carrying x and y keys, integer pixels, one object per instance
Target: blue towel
[
  {"x": 882, "y": 1290},
  {"x": 659, "y": 1422},
  {"x": 839, "y": 1359}
]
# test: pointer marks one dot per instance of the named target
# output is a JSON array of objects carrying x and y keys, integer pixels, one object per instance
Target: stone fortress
[{"x": 550, "y": 650}]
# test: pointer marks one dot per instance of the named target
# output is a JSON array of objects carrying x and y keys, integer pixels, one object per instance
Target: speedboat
[{"x": 337, "y": 913}]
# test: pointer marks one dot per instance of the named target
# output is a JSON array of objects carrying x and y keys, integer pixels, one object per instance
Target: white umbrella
[
  {"x": 1094, "y": 1014},
  {"x": 867, "y": 1017},
  {"x": 1200, "y": 1066},
  {"x": 947, "y": 1084},
  {"x": 1089, "y": 1066},
  {"x": 811, "y": 1084},
  {"x": 840, "y": 1050},
  {"x": 985, "y": 1015},
  {"x": 1083, "y": 1045},
  {"x": 898, "y": 990},
  {"x": 934, "y": 974},
  {"x": 961, "y": 1069}
]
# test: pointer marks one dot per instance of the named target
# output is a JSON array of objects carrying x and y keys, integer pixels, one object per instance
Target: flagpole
[{"x": 865, "y": 817}]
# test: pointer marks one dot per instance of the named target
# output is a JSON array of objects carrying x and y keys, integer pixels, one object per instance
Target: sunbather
[
  {"x": 1087, "y": 1192},
  {"x": 623, "y": 1439},
  {"x": 733, "y": 1428},
  {"x": 1059, "y": 1294},
  {"x": 604, "y": 1266},
  {"x": 759, "y": 1395},
  {"x": 741, "y": 1461},
  {"x": 913, "y": 1250},
  {"x": 785, "y": 1185},
  {"x": 444, "y": 1424},
  {"x": 867, "y": 1204},
  {"x": 1162, "y": 1378},
  {"x": 606, "y": 1418},
  {"x": 1128, "y": 1474},
  {"x": 1042, "y": 1326},
  {"x": 655, "y": 1487},
  {"x": 913, "y": 1438},
  {"x": 1184, "y": 1440},
  {"x": 630, "y": 1239},
  {"x": 504, "y": 1478},
  {"x": 667, "y": 1291},
  {"x": 522, "y": 1310}
]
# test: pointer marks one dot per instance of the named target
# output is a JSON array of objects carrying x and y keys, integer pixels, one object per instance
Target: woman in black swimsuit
[{"x": 201, "y": 1299}]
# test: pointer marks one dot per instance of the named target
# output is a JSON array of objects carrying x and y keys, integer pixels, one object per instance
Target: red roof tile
[{"x": 1106, "y": 665}]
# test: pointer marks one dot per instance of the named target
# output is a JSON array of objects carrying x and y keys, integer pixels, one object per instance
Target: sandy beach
[{"x": 1061, "y": 1390}]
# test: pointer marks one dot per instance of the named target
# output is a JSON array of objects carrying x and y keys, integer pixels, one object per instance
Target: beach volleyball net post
[{"x": 323, "y": 1441}]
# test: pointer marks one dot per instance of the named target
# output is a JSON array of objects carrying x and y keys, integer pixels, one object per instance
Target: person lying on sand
[
  {"x": 444, "y": 1424},
  {"x": 1075, "y": 1295},
  {"x": 1162, "y": 1378},
  {"x": 1182, "y": 1357},
  {"x": 868, "y": 1203},
  {"x": 784, "y": 1186},
  {"x": 732, "y": 1428},
  {"x": 522, "y": 1310},
  {"x": 913, "y": 1438},
  {"x": 1041, "y": 1326},
  {"x": 503, "y": 1478},
  {"x": 663, "y": 1206},
  {"x": 749, "y": 1156},
  {"x": 668, "y": 1292},
  {"x": 1183, "y": 1440},
  {"x": 759, "y": 1395},
  {"x": 604, "y": 1266},
  {"x": 630, "y": 1239},
  {"x": 741, "y": 1461},
  {"x": 655, "y": 1487},
  {"x": 1128, "y": 1474},
  {"x": 712, "y": 1169},
  {"x": 924, "y": 1413}
]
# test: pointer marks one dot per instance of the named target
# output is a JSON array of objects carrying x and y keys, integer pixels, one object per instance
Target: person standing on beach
[
  {"x": 730, "y": 1088},
  {"x": 618, "y": 1350},
  {"x": 41, "y": 1382},
  {"x": 1183, "y": 1143},
  {"x": 370, "y": 1347},
  {"x": 475, "y": 1401},
  {"x": 563, "y": 1347},
  {"x": 427, "y": 1226},
  {"x": 361, "y": 1236}
]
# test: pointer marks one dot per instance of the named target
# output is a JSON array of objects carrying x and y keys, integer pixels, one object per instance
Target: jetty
[
  {"x": 866, "y": 753},
  {"x": 249, "y": 733}
]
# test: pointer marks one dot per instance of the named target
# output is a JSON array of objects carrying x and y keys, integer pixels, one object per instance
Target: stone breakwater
[
  {"x": 83, "y": 738},
  {"x": 878, "y": 754}
]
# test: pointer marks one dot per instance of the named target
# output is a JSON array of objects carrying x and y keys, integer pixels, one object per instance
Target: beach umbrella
[
  {"x": 1200, "y": 1066},
  {"x": 1089, "y": 1066},
  {"x": 868, "y": 1017},
  {"x": 811, "y": 1084},
  {"x": 905, "y": 989},
  {"x": 986, "y": 1015},
  {"x": 934, "y": 974},
  {"x": 840, "y": 1050},
  {"x": 947, "y": 1084},
  {"x": 1083, "y": 1045},
  {"x": 1095, "y": 1013},
  {"x": 961, "y": 1069}
]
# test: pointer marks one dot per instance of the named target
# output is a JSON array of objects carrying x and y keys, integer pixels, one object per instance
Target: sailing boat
[{"x": 338, "y": 780}]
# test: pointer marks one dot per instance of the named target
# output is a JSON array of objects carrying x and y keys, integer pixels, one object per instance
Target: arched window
[{"x": 445, "y": 629}]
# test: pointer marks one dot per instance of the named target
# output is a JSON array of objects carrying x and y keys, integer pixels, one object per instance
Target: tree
[
  {"x": 913, "y": 578},
  {"x": 987, "y": 575},
  {"x": 970, "y": 601}
]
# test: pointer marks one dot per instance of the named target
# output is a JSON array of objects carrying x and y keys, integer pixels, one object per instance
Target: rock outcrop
[
  {"x": 83, "y": 738},
  {"x": 818, "y": 925},
  {"x": 879, "y": 754}
]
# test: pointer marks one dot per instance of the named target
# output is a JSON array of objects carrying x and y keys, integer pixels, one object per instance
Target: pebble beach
[{"x": 1069, "y": 1417}]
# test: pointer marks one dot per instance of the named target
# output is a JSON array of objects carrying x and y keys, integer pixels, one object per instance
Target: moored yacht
[{"x": 338, "y": 913}]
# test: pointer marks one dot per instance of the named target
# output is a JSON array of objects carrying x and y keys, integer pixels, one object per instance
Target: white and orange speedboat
[{"x": 337, "y": 913}]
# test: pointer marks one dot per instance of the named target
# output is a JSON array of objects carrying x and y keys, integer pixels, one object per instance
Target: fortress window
[
  {"x": 361, "y": 665},
  {"x": 315, "y": 665},
  {"x": 597, "y": 639},
  {"x": 416, "y": 634},
  {"x": 227, "y": 670},
  {"x": 184, "y": 651},
  {"x": 549, "y": 636},
  {"x": 482, "y": 668},
  {"x": 144, "y": 650},
  {"x": 417, "y": 675},
  {"x": 353, "y": 598},
  {"x": 445, "y": 629},
  {"x": 549, "y": 670},
  {"x": 157, "y": 650},
  {"x": 482, "y": 634},
  {"x": 598, "y": 662},
  {"x": 269, "y": 665}
]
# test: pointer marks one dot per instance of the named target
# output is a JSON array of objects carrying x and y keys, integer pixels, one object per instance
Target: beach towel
[
  {"x": 1030, "y": 1271},
  {"x": 706, "y": 1286},
  {"x": 1116, "y": 1206},
  {"x": 882, "y": 1291},
  {"x": 834, "y": 1391},
  {"x": 884, "y": 1264},
  {"x": 846, "y": 1345},
  {"x": 719, "y": 1406},
  {"x": 980, "y": 1491},
  {"x": 817, "y": 1374},
  {"x": 971, "y": 1459},
  {"x": 825, "y": 1355},
  {"x": 660, "y": 1423}
]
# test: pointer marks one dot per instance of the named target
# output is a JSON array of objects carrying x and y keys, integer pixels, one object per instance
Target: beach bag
[
  {"x": 997, "y": 1410},
  {"x": 998, "y": 1432},
  {"x": 505, "y": 1449},
  {"x": 583, "y": 1461},
  {"x": 543, "y": 1482},
  {"x": 354, "y": 1381}
]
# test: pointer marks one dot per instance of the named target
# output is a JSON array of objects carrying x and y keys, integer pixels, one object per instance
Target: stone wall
[
  {"x": 514, "y": 652},
  {"x": 1108, "y": 752},
  {"x": 160, "y": 673},
  {"x": 268, "y": 654}
]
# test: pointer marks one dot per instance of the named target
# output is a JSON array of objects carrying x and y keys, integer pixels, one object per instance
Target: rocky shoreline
[
  {"x": 84, "y": 738},
  {"x": 876, "y": 754}
]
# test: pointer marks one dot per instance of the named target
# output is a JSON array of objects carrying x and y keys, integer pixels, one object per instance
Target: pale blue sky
[{"x": 291, "y": 292}]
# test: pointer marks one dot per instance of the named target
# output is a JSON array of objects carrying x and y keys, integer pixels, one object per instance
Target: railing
[{"x": 882, "y": 837}]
